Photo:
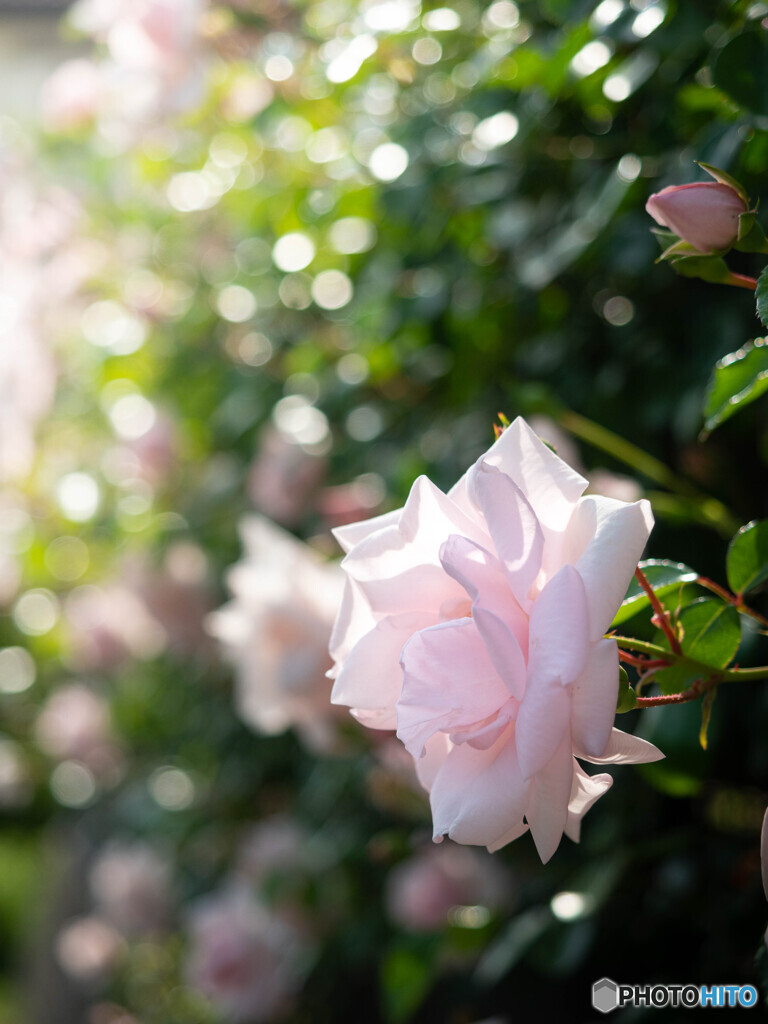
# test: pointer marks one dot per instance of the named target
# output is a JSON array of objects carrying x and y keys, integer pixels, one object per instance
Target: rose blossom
[
  {"x": 246, "y": 959},
  {"x": 276, "y": 632},
  {"x": 473, "y": 623},
  {"x": 422, "y": 890},
  {"x": 705, "y": 214}
]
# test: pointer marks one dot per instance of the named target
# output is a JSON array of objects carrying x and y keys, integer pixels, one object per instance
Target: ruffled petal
[
  {"x": 351, "y": 534},
  {"x": 370, "y": 678},
  {"x": 623, "y": 748},
  {"x": 542, "y": 721},
  {"x": 449, "y": 683},
  {"x": 479, "y": 796},
  {"x": 605, "y": 540},
  {"x": 585, "y": 791},
  {"x": 547, "y": 809},
  {"x": 499, "y": 619},
  {"x": 558, "y": 644},
  {"x": 353, "y": 620},
  {"x": 436, "y": 749},
  {"x": 550, "y": 485},
  {"x": 514, "y": 528},
  {"x": 593, "y": 698}
]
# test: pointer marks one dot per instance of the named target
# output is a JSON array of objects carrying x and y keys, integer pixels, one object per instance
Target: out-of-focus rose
[
  {"x": 276, "y": 632},
  {"x": 74, "y": 724},
  {"x": 275, "y": 846},
  {"x": 704, "y": 214},
  {"x": 422, "y": 890},
  {"x": 473, "y": 623},
  {"x": 285, "y": 477},
  {"x": 109, "y": 626},
  {"x": 131, "y": 884},
  {"x": 70, "y": 96},
  {"x": 247, "y": 960}
]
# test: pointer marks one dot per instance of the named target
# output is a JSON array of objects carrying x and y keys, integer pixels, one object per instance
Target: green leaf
[
  {"x": 738, "y": 379},
  {"x": 761, "y": 294},
  {"x": 663, "y": 576},
  {"x": 741, "y": 69},
  {"x": 710, "y": 632},
  {"x": 406, "y": 978},
  {"x": 712, "y": 269},
  {"x": 747, "y": 559}
]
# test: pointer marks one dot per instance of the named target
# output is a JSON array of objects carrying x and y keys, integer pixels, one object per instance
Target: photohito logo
[{"x": 608, "y": 995}]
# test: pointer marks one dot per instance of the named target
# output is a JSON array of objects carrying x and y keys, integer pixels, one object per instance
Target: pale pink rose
[
  {"x": 285, "y": 477},
  {"x": 473, "y": 624},
  {"x": 276, "y": 632},
  {"x": 70, "y": 95},
  {"x": 131, "y": 884},
  {"x": 704, "y": 214},
  {"x": 246, "y": 959},
  {"x": 75, "y": 724},
  {"x": 110, "y": 625},
  {"x": 422, "y": 890},
  {"x": 277, "y": 845}
]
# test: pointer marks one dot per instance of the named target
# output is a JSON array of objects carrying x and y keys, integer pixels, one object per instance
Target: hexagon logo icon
[{"x": 605, "y": 995}]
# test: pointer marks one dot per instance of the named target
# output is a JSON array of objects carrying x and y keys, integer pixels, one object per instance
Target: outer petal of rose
[
  {"x": 547, "y": 809},
  {"x": 353, "y": 620},
  {"x": 623, "y": 748},
  {"x": 593, "y": 698},
  {"x": 764, "y": 853},
  {"x": 557, "y": 641},
  {"x": 399, "y": 565},
  {"x": 514, "y": 528},
  {"x": 500, "y": 621},
  {"x": 608, "y": 538},
  {"x": 478, "y": 796},
  {"x": 517, "y": 830},
  {"x": 586, "y": 790},
  {"x": 542, "y": 721},
  {"x": 351, "y": 534},
  {"x": 436, "y": 750},
  {"x": 370, "y": 678},
  {"x": 549, "y": 484},
  {"x": 449, "y": 683}
]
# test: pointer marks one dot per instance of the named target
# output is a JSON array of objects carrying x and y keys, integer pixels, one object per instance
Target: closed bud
[{"x": 704, "y": 214}]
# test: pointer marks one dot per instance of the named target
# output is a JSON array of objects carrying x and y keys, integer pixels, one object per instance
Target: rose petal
[
  {"x": 499, "y": 619},
  {"x": 353, "y": 533},
  {"x": 557, "y": 644},
  {"x": 353, "y": 621},
  {"x": 542, "y": 721},
  {"x": 550, "y": 485},
  {"x": 370, "y": 678},
  {"x": 547, "y": 809},
  {"x": 586, "y": 790},
  {"x": 449, "y": 683},
  {"x": 624, "y": 748},
  {"x": 436, "y": 750},
  {"x": 593, "y": 698},
  {"x": 514, "y": 528},
  {"x": 610, "y": 536},
  {"x": 478, "y": 796}
]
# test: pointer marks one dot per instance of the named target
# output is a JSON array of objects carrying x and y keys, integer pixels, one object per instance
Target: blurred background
[{"x": 261, "y": 264}]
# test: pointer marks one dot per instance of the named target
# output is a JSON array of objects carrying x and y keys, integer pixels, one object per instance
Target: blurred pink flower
[
  {"x": 705, "y": 214},
  {"x": 74, "y": 724},
  {"x": 285, "y": 478},
  {"x": 473, "y": 623},
  {"x": 110, "y": 625},
  {"x": 247, "y": 960},
  {"x": 276, "y": 632},
  {"x": 422, "y": 890},
  {"x": 131, "y": 884},
  {"x": 275, "y": 845},
  {"x": 70, "y": 96}
]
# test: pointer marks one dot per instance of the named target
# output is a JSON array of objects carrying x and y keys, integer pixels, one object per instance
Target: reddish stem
[
  {"x": 662, "y": 616},
  {"x": 742, "y": 281},
  {"x": 737, "y": 600}
]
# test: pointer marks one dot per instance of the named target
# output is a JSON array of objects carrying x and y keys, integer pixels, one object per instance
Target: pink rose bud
[{"x": 704, "y": 214}]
